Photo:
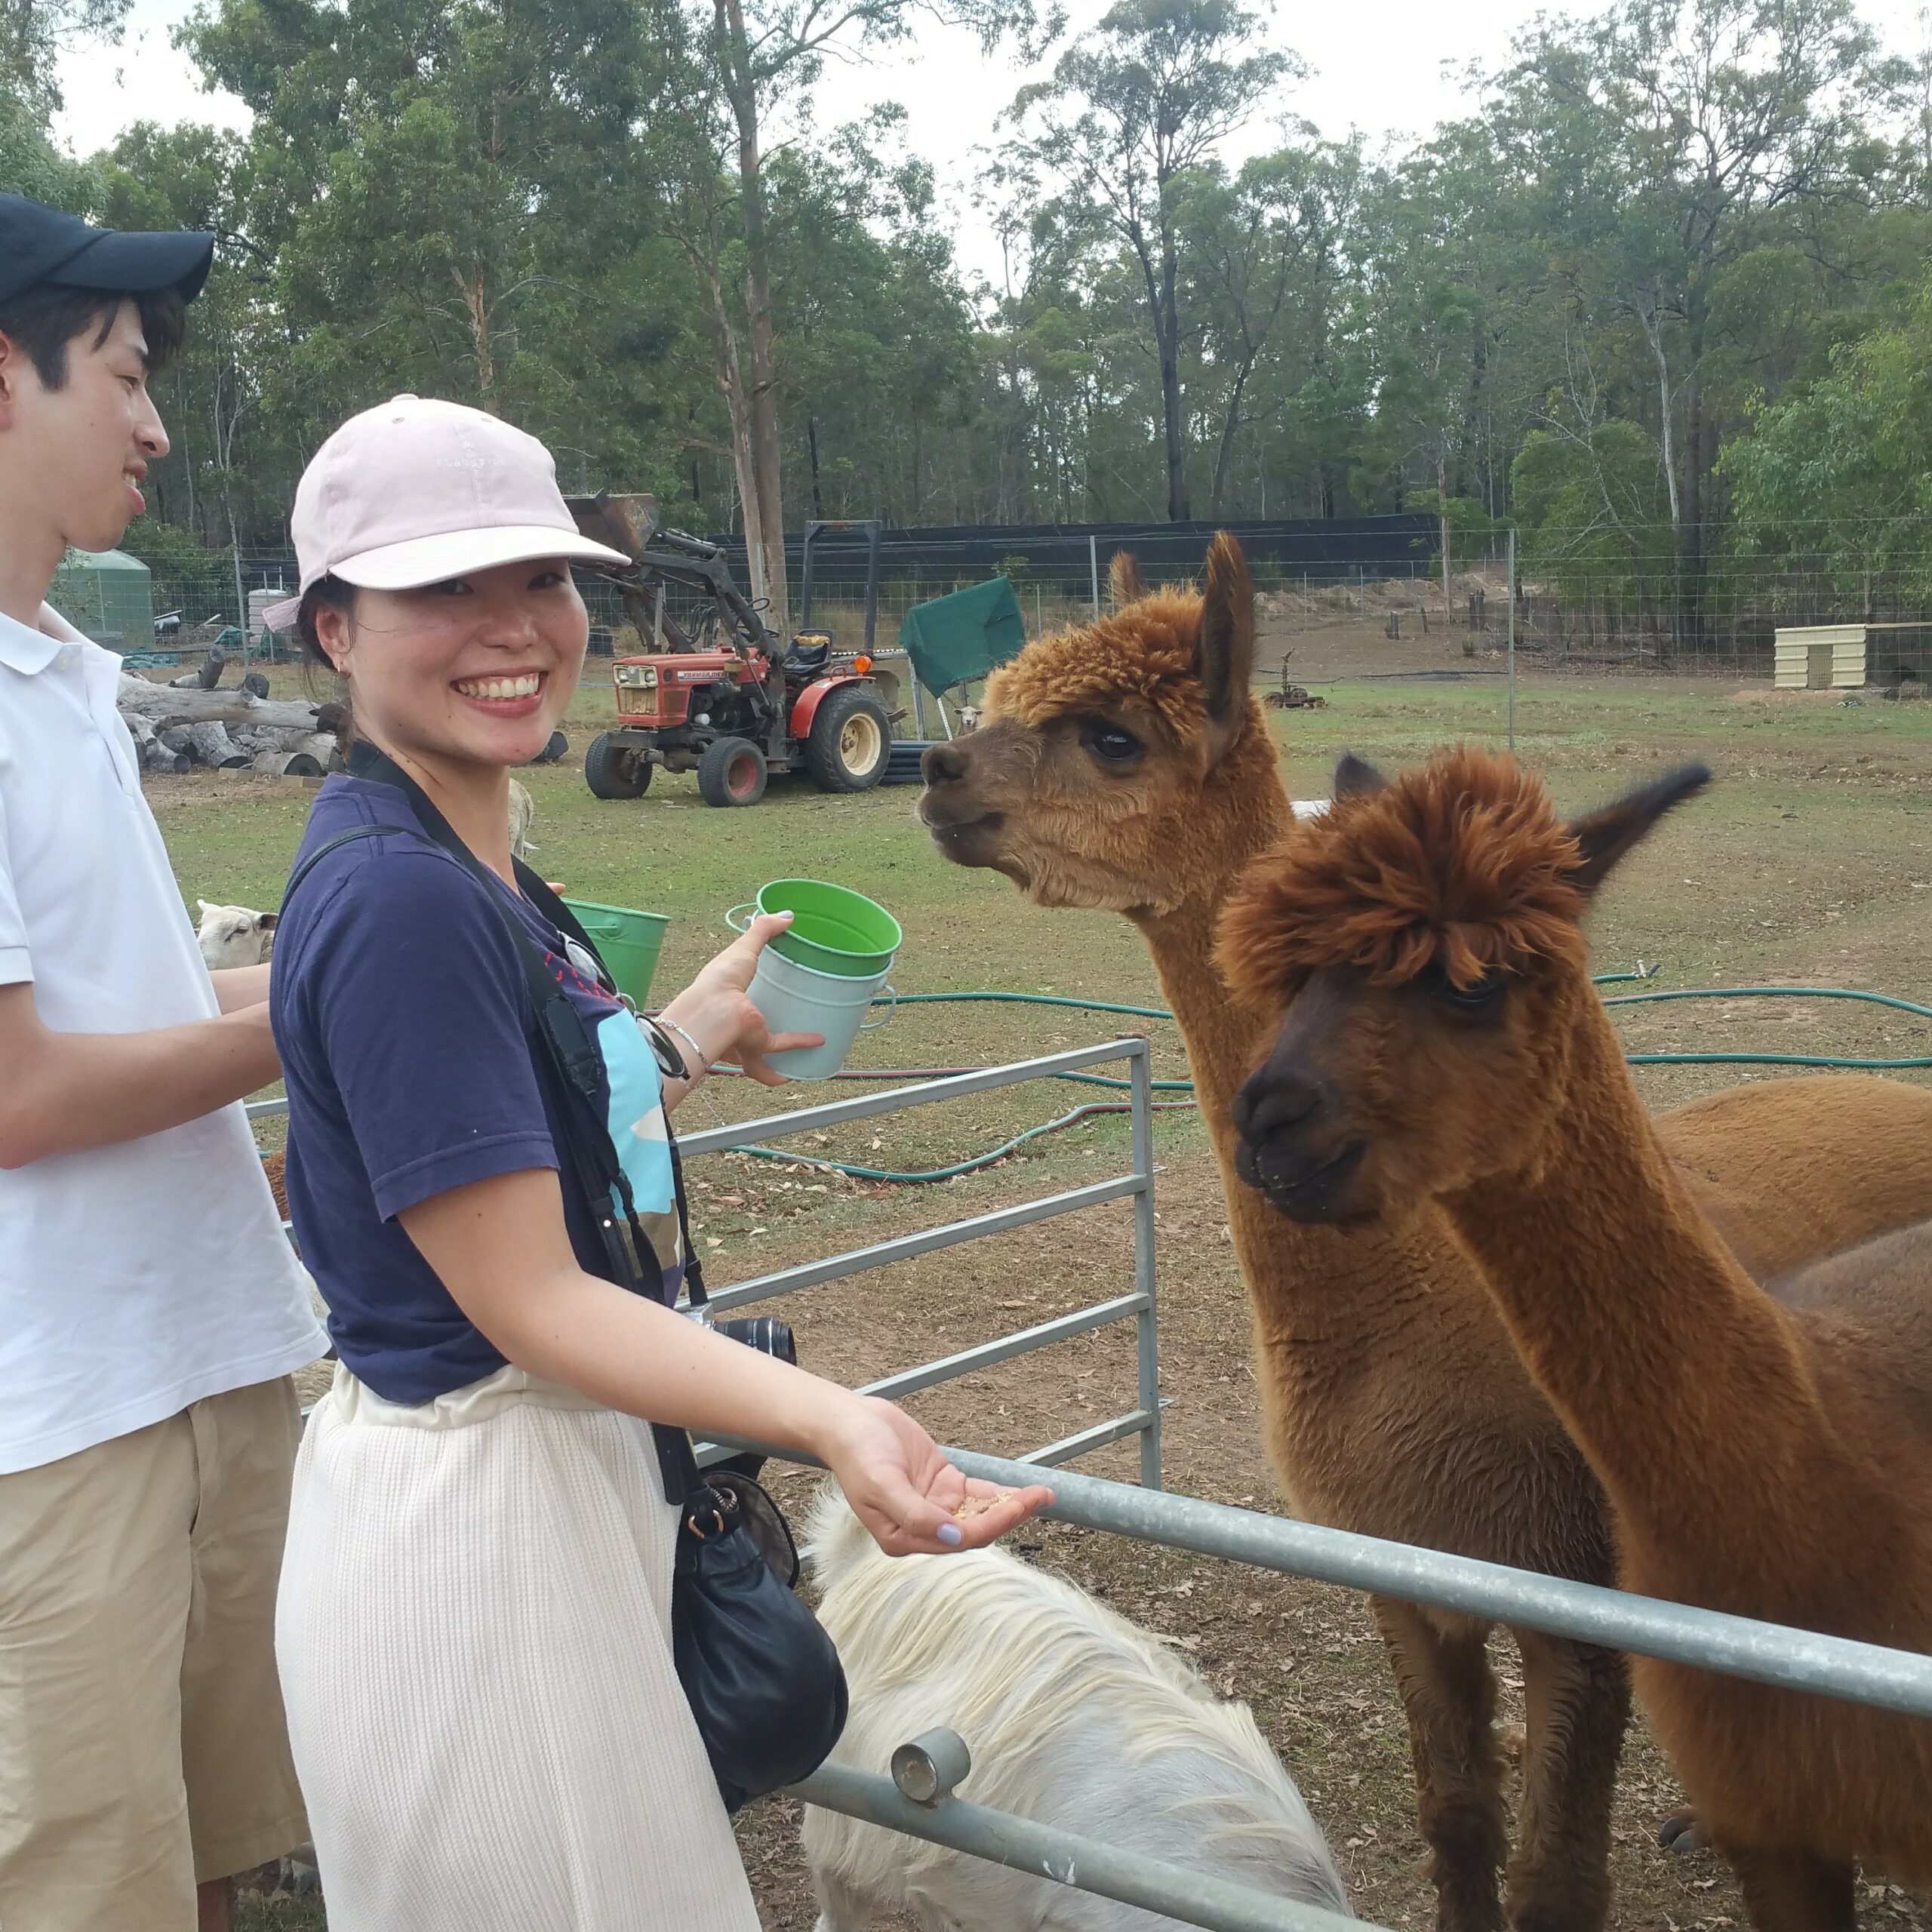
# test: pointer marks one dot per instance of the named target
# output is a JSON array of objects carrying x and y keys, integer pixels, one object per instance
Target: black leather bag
[{"x": 762, "y": 1678}]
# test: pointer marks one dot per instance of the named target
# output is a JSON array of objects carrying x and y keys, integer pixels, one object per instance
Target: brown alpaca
[
  {"x": 1443, "y": 1049},
  {"x": 1124, "y": 766}
]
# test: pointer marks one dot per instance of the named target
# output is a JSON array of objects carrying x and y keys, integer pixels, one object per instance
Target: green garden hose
[{"x": 1838, "y": 1062}]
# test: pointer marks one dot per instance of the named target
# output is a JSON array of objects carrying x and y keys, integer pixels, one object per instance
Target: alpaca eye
[
  {"x": 1478, "y": 998},
  {"x": 1110, "y": 742}
]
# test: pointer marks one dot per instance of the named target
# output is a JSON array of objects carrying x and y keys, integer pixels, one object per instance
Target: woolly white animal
[
  {"x": 522, "y": 815},
  {"x": 234, "y": 935},
  {"x": 1074, "y": 1717}
]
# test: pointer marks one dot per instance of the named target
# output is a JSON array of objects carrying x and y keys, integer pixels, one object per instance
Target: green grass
[
  {"x": 279, "y": 1915},
  {"x": 1801, "y": 862}
]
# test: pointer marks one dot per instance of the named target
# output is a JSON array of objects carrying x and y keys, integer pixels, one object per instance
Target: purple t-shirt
[{"x": 408, "y": 1039}]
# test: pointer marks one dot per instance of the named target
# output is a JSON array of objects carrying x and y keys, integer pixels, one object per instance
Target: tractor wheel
[
  {"x": 732, "y": 772},
  {"x": 850, "y": 741},
  {"x": 615, "y": 770}
]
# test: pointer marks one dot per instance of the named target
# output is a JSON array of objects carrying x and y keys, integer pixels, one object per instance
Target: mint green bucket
[
  {"x": 833, "y": 930},
  {"x": 630, "y": 942},
  {"x": 795, "y": 999}
]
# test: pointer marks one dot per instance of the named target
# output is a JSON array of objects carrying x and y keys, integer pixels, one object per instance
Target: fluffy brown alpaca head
[
  {"x": 1114, "y": 760},
  {"x": 1423, "y": 944}
]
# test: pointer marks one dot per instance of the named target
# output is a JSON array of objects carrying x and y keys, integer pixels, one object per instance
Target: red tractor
[{"x": 724, "y": 697}]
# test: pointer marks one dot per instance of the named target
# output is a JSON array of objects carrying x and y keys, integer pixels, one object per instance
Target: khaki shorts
[{"x": 142, "y": 1745}]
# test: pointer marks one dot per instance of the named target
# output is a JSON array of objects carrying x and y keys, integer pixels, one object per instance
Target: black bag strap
[
  {"x": 574, "y": 1059},
  {"x": 328, "y": 845},
  {"x": 574, "y": 1053}
]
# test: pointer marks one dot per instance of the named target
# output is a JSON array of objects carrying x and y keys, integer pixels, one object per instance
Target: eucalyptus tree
[{"x": 1131, "y": 111}]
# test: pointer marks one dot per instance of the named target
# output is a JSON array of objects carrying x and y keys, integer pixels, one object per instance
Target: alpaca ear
[
  {"x": 204, "y": 905},
  {"x": 1224, "y": 655},
  {"x": 1603, "y": 836},
  {"x": 1124, "y": 581},
  {"x": 1356, "y": 778},
  {"x": 265, "y": 922}
]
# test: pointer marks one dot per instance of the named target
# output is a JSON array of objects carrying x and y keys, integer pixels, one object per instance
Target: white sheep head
[{"x": 234, "y": 935}]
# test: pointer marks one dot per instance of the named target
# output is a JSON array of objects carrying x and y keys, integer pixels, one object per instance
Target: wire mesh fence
[{"x": 1565, "y": 614}]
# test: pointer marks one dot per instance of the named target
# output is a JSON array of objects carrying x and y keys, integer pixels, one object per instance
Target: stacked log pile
[{"x": 192, "y": 722}]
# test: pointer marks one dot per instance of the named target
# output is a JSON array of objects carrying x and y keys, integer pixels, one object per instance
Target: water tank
[{"x": 107, "y": 595}]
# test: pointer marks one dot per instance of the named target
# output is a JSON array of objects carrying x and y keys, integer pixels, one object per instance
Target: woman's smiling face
[{"x": 478, "y": 670}]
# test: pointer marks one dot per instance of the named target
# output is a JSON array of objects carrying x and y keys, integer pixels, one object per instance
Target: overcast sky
[{"x": 1391, "y": 68}]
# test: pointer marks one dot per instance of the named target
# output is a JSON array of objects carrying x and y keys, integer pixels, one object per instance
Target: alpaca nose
[
  {"x": 943, "y": 763},
  {"x": 1272, "y": 1101}
]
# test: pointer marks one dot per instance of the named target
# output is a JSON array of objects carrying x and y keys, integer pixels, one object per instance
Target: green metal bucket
[
  {"x": 630, "y": 942},
  {"x": 834, "y": 929}
]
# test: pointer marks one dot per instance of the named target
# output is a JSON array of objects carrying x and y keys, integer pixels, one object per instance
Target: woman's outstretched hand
[
  {"x": 717, "y": 1008},
  {"x": 903, "y": 1490}
]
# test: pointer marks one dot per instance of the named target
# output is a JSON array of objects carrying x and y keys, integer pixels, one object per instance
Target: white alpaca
[
  {"x": 1075, "y": 1717},
  {"x": 522, "y": 816},
  {"x": 234, "y": 935}
]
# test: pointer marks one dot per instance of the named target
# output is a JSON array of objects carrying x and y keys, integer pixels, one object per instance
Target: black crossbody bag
[{"x": 762, "y": 1678}]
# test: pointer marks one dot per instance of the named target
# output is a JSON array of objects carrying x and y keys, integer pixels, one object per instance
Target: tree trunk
[
  {"x": 1167, "y": 333},
  {"x": 765, "y": 457},
  {"x": 1230, "y": 423},
  {"x": 184, "y": 417},
  {"x": 477, "y": 309},
  {"x": 1690, "y": 549},
  {"x": 811, "y": 445},
  {"x": 164, "y": 707},
  {"x": 1442, "y": 511},
  {"x": 287, "y": 765},
  {"x": 1653, "y": 321},
  {"x": 727, "y": 371},
  {"x": 210, "y": 744}
]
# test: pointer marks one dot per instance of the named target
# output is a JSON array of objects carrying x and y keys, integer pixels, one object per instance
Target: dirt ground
[
  {"x": 1809, "y": 864},
  {"x": 1305, "y": 1657}
]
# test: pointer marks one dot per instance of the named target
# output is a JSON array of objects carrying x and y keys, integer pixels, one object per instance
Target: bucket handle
[
  {"x": 731, "y": 917},
  {"x": 891, "y": 1008}
]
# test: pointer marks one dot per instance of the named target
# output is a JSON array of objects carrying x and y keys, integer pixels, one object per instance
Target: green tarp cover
[{"x": 957, "y": 639}]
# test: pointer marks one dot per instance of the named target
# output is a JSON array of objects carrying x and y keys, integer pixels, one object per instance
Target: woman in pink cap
[{"x": 473, "y": 1628}]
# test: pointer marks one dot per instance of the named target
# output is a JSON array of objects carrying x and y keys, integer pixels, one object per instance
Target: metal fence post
[
  {"x": 1509, "y": 593},
  {"x": 1140, "y": 1069},
  {"x": 1093, "y": 573}
]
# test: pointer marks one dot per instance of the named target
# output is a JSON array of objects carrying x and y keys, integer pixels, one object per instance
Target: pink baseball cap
[{"x": 416, "y": 491}]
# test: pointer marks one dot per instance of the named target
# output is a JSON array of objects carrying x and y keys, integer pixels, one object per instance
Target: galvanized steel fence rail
[
  {"x": 1143, "y": 1419},
  {"x": 1137, "y": 1185}
]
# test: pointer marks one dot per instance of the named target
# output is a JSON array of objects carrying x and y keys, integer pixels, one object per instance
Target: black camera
[
  {"x": 770, "y": 1337},
  {"x": 764, "y": 1332}
]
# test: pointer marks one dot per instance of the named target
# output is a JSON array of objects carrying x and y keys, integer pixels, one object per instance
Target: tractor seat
[{"x": 801, "y": 656}]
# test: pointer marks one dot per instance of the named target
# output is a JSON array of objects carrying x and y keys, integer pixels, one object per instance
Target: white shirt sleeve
[{"x": 15, "y": 965}]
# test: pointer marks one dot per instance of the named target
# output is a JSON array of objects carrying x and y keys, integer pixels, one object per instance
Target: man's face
[{"x": 86, "y": 446}]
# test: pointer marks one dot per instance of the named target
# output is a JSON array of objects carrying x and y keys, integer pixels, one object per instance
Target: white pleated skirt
[{"x": 473, "y": 1633}]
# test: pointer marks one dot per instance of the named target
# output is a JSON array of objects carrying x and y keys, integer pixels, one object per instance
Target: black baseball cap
[{"x": 38, "y": 244}]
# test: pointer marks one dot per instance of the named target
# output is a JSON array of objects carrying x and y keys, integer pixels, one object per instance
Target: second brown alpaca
[{"x": 1768, "y": 1457}]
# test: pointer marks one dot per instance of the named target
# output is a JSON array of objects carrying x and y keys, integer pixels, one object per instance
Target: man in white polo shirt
[{"x": 151, "y": 1312}]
